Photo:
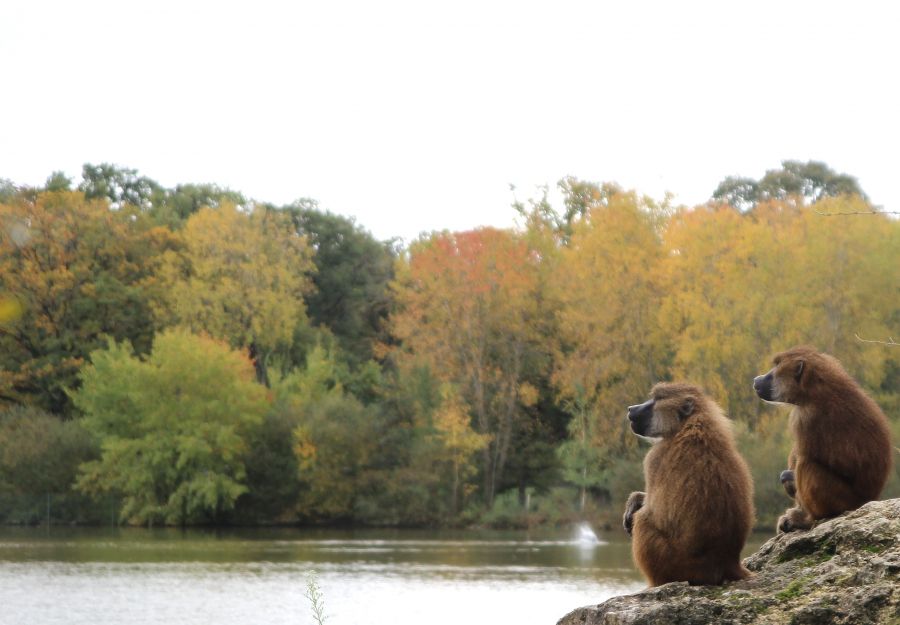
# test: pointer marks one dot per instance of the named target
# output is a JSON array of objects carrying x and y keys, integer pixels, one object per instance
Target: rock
[{"x": 845, "y": 570}]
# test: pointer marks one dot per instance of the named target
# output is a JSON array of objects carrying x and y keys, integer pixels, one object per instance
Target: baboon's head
[
  {"x": 795, "y": 374},
  {"x": 669, "y": 406}
]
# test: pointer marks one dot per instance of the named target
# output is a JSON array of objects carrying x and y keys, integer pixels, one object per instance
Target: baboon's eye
[
  {"x": 686, "y": 408},
  {"x": 799, "y": 371}
]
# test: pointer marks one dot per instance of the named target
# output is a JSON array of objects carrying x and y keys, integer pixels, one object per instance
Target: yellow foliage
[
  {"x": 241, "y": 277},
  {"x": 528, "y": 394},
  {"x": 304, "y": 449},
  {"x": 453, "y": 423},
  {"x": 608, "y": 289},
  {"x": 10, "y": 309}
]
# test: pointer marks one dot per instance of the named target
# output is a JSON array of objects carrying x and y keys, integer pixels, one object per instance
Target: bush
[{"x": 39, "y": 456}]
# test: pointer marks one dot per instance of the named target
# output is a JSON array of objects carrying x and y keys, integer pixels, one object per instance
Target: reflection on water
[{"x": 396, "y": 577}]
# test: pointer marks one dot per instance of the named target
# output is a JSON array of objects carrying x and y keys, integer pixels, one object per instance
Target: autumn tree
[
  {"x": 728, "y": 299},
  {"x": 466, "y": 307},
  {"x": 458, "y": 442},
  {"x": 76, "y": 272},
  {"x": 241, "y": 276},
  {"x": 744, "y": 286},
  {"x": 172, "y": 427},
  {"x": 850, "y": 266},
  {"x": 611, "y": 349}
]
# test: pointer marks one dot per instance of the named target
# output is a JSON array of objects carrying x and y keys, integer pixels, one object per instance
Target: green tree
[
  {"x": 122, "y": 186},
  {"x": 582, "y": 458},
  {"x": 186, "y": 199},
  {"x": 408, "y": 485},
  {"x": 353, "y": 272},
  {"x": 172, "y": 428},
  {"x": 118, "y": 185},
  {"x": 58, "y": 181},
  {"x": 334, "y": 438},
  {"x": 8, "y": 191},
  {"x": 812, "y": 181}
]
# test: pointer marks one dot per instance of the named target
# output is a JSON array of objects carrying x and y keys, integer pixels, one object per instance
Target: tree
[
  {"x": 58, "y": 181},
  {"x": 811, "y": 181},
  {"x": 8, "y": 191},
  {"x": 611, "y": 349},
  {"x": 353, "y": 271},
  {"x": 334, "y": 438},
  {"x": 172, "y": 428},
  {"x": 123, "y": 186},
  {"x": 458, "y": 441},
  {"x": 741, "y": 287},
  {"x": 583, "y": 459},
  {"x": 240, "y": 277},
  {"x": 76, "y": 271},
  {"x": 466, "y": 310},
  {"x": 118, "y": 185},
  {"x": 186, "y": 199},
  {"x": 847, "y": 265}
]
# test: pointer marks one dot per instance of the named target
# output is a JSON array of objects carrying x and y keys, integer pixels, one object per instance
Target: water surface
[{"x": 369, "y": 577}]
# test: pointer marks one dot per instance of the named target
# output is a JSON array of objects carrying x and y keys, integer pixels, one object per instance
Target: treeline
[{"x": 188, "y": 355}]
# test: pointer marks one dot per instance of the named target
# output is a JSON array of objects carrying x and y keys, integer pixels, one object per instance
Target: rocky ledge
[{"x": 845, "y": 570}]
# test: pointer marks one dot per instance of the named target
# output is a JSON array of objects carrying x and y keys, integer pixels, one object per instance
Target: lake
[{"x": 369, "y": 577}]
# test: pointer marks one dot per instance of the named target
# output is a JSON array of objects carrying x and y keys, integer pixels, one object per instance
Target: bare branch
[
  {"x": 890, "y": 341},
  {"x": 872, "y": 212}
]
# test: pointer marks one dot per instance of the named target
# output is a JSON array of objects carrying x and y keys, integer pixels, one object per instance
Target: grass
[{"x": 316, "y": 598}]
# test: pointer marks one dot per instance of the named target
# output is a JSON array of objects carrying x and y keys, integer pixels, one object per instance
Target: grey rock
[{"x": 843, "y": 571}]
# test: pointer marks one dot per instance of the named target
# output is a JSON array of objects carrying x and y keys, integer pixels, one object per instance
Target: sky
[{"x": 418, "y": 116}]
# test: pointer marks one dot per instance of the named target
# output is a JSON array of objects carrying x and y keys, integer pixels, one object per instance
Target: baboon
[
  {"x": 692, "y": 522},
  {"x": 841, "y": 456}
]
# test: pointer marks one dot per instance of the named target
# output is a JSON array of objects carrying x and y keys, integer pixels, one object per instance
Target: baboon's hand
[
  {"x": 789, "y": 482},
  {"x": 794, "y": 519},
  {"x": 784, "y": 524},
  {"x": 635, "y": 502}
]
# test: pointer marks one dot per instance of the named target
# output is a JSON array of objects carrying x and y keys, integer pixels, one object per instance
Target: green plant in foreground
[{"x": 316, "y": 598}]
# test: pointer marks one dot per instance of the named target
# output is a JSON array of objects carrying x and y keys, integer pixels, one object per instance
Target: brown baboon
[
  {"x": 692, "y": 522},
  {"x": 842, "y": 450}
]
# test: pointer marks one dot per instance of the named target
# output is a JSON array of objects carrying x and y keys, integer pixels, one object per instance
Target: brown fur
[
  {"x": 841, "y": 457},
  {"x": 698, "y": 509}
]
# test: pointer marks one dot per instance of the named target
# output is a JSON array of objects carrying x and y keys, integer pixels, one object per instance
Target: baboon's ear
[
  {"x": 798, "y": 372},
  {"x": 686, "y": 408}
]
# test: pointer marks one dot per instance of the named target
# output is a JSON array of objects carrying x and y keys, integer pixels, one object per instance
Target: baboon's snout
[
  {"x": 640, "y": 416},
  {"x": 762, "y": 384}
]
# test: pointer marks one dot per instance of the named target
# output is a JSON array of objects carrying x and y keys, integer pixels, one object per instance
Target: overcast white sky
[{"x": 413, "y": 116}]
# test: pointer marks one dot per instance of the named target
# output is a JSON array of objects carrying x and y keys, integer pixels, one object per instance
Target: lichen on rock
[{"x": 844, "y": 571}]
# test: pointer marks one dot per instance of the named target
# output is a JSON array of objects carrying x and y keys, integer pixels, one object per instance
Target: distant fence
[{"x": 57, "y": 509}]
